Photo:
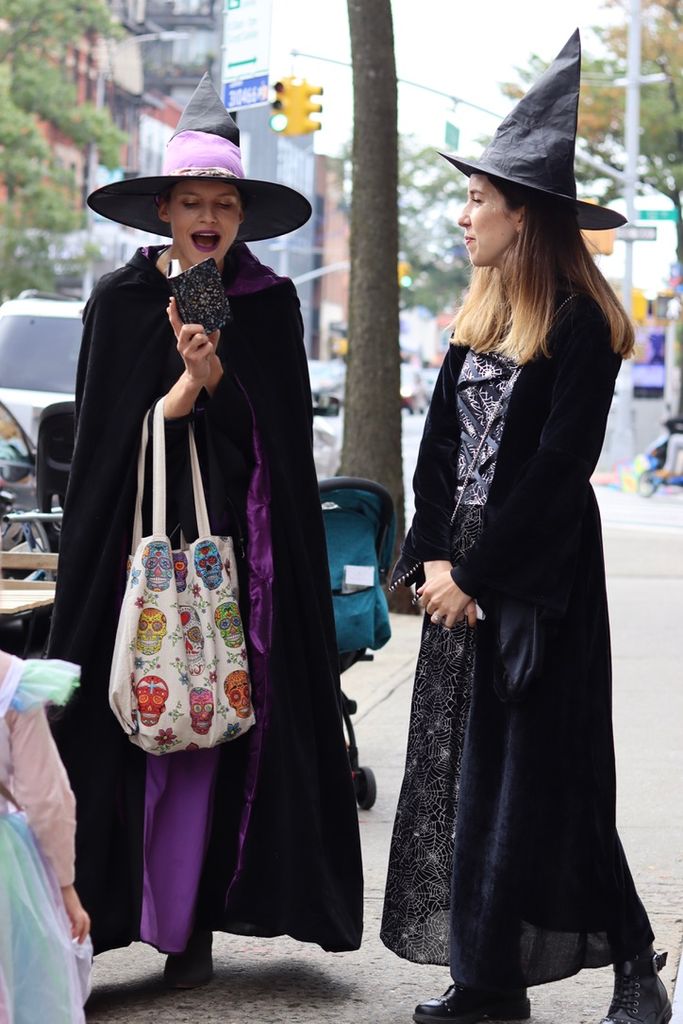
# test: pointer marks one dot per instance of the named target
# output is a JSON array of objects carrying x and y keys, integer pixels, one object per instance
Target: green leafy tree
[
  {"x": 40, "y": 201},
  {"x": 431, "y": 195}
]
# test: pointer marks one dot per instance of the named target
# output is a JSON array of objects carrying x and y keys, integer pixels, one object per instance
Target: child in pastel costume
[{"x": 42, "y": 923}]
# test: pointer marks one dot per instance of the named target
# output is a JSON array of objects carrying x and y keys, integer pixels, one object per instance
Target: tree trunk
[{"x": 372, "y": 417}]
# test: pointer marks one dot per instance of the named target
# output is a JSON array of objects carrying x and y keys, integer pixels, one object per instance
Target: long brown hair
[{"x": 511, "y": 309}]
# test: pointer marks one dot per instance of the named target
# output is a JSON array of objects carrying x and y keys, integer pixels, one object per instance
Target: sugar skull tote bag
[{"x": 179, "y": 677}]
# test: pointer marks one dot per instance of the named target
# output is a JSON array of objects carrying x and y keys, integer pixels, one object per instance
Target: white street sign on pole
[
  {"x": 636, "y": 233},
  {"x": 246, "y": 53}
]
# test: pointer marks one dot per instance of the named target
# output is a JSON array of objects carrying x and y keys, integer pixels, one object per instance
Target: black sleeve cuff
[{"x": 462, "y": 579}]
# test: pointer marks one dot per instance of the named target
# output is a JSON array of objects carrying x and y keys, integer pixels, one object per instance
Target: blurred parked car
[
  {"x": 413, "y": 392},
  {"x": 17, "y": 461},
  {"x": 39, "y": 344},
  {"x": 429, "y": 376},
  {"x": 326, "y": 447},
  {"x": 328, "y": 378}
]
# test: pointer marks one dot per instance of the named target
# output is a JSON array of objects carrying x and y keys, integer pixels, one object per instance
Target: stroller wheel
[
  {"x": 647, "y": 485},
  {"x": 366, "y": 788}
]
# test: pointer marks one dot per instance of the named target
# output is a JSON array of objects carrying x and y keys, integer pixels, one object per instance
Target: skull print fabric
[
  {"x": 158, "y": 567},
  {"x": 180, "y": 678}
]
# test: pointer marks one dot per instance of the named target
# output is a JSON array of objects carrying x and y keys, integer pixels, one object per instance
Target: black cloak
[
  {"x": 284, "y": 856},
  {"x": 541, "y": 887}
]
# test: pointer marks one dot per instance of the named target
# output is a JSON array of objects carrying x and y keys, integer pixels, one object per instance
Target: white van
[{"x": 39, "y": 343}]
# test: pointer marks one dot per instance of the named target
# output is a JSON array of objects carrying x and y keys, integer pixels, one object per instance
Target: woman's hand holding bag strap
[{"x": 179, "y": 677}]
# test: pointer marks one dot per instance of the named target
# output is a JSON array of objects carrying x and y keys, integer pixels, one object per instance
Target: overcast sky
[{"x": 465, "y": 49}]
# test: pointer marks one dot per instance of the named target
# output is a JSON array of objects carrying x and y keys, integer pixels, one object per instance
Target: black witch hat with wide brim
[
  {"x": 534, "y": 146},
  {"x": 205, "y": 145}
]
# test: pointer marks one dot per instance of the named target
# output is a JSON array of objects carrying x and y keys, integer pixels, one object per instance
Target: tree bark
[{"x": 372, "y": 417}]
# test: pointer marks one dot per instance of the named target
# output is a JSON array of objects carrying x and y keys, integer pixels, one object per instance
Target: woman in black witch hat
[
  {"x": 505, "y": 860},
  {"x": 258, "y": 836}
]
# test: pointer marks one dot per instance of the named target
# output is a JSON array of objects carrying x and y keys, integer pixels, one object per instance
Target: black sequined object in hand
[{"x": 200, "y": 295}]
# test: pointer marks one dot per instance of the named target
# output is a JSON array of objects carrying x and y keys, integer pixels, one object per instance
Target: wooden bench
[
  {"x": 18, "y": 596},
  {"x": 26, "y": 595}
]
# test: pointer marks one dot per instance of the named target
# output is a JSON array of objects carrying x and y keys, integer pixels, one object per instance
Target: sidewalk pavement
[{"x": 273, "y": 981}]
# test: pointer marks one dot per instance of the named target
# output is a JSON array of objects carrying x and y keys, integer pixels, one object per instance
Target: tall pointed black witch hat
[
  {"x": 204, "y": 145},
  {"x": 534, "y": 146}
]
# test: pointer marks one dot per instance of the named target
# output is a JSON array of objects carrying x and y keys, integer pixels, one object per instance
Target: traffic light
[
  {"x": 282, "y": 105},
  {"x": 405, "y": 274},
  {"x": 639, "y": 305},
  {"x": 293, "y": 106},
  {"x": 600, "y": 242}
]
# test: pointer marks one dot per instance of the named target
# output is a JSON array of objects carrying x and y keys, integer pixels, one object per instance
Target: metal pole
[{"x": 623, "y": 440}]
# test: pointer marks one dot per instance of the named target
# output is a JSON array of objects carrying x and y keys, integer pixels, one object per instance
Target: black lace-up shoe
[
  {"x": 639, "y": 996},
  {"x": 462, "y": 1005}
]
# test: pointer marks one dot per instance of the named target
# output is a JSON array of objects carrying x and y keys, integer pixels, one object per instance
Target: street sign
[
  {"x": 635, "y": 233},
  {"x": 657, "y": 214},
  {"x": 452, "y": 136},
  {"x": 246, "y": 53}
]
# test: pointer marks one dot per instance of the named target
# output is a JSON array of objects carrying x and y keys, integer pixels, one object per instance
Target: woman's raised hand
[
  {"x": 197, "y": 349},
  {"x": 203, "y": 368}
]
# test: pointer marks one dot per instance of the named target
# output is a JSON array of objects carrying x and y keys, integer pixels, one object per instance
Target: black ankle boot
[
  {"x": 639, "y": 996},
  {"x": 194, "y": 966},
  {"x": 462, "y": 1005}
]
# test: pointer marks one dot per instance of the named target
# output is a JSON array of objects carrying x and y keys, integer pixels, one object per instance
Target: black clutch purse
[
  {"x": 200, "y": 295},
  {"x": 519, "y": 646}
]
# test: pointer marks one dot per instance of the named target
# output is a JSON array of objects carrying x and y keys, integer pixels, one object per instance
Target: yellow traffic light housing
[
  {"x": 308, "y": 106},
  {"x": 600, "y": 242},
  {"x": 293, "y": 106}
]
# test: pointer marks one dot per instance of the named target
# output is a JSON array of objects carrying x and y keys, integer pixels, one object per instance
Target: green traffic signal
[{"x": 293, "y": 105}]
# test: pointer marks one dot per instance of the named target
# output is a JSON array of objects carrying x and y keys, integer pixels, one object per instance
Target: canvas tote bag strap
[
  {"x": 137, "y": 518},
  {"x": 159, "y": 479},
  {"x": 159, "y": 470},
  {"x": 158, "y": 475},
  {"x": 200, "y": 509}
]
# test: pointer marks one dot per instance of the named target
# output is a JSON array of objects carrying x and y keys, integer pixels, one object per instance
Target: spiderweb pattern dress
[{"x": 416, "y": 919}]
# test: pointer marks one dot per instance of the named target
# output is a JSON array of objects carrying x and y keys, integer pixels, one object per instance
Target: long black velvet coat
[
  {"x": 541, "y": 887},
  {"x": 299, "y": 869}
]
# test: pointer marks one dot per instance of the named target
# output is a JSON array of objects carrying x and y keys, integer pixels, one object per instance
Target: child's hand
[{"x": 80, "y": 921}]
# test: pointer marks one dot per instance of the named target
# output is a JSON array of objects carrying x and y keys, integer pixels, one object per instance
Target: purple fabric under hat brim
[
  {"x": 590, "y": 216},
  {"x": 191, "y": 150},
  {"x": 271, "y": 209}
]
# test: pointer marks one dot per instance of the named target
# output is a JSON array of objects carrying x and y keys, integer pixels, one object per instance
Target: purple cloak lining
[{"x": 179, "y": 788}]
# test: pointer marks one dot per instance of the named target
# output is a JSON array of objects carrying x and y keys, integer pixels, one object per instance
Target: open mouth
[{"x": 206, "y": 241}]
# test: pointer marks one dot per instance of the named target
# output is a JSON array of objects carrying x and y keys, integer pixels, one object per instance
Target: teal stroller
[{"x": 360, "y": 526}]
